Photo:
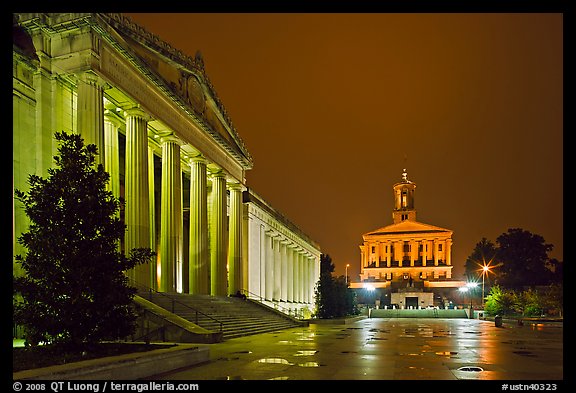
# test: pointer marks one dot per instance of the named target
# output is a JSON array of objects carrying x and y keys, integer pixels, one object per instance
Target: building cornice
[{"x": 194, "y": 65}]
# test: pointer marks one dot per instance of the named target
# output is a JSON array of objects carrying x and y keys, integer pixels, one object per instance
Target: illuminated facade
[
  {"x": 167, "y": 142},
  {"x": 409, "y": 259}
]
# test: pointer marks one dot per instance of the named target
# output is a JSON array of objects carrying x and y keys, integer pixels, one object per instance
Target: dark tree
[
  {"x": 524, "y": 258},
  {"x": 333, "y": 297},
  {"x": 74, "y": 290}
]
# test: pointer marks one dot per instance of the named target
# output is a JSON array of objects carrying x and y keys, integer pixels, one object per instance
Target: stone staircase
[{"x": 233, "y": 316}]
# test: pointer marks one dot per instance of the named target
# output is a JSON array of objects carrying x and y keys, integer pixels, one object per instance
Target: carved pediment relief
[{"x": 184, "y": 77}]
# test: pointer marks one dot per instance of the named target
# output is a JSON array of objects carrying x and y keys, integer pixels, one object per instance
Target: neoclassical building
[
  {"x": 172, "y": 152},
  {"x": 410, "y": 260}
]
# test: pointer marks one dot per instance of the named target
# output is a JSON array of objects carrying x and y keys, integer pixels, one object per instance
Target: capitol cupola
[{"x": 404, "y": 200}]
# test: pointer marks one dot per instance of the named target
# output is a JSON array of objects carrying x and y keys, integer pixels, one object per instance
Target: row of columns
[
  {"x": 288, "y": 272},
  {"x": 207, "y": 267}
]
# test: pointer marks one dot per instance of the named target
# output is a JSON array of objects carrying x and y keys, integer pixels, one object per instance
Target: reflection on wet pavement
[{"x": 445, "y": 349}]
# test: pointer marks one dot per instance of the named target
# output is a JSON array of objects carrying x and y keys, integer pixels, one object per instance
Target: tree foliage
[
  {"x": 519, "y": 259},
  {"x": 333, "y": 297},
  {"x": 524, "y": 258},
  {"x": 74, "y": 290},
  {"x": 530, "y": 302}
]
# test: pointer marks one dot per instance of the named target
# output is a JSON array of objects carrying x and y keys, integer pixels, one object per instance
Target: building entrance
[{"x": 411, "y": 301}]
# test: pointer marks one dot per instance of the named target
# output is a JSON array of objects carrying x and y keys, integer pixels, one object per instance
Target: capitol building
[{"x": 408, "y": 261}]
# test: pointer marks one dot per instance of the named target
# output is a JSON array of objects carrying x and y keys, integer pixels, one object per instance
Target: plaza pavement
[{"x": 389, "y": 349}]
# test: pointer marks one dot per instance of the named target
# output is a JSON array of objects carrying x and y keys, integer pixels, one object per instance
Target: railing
[
  {"x": 173, "y": 301},
  {"x": 295, "y": 313}
]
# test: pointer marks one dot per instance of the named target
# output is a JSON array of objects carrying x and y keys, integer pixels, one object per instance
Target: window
[
  {"x": 373, "y": 249},
  {"x": 440, "y": 247},
  {"x": 407, "y": 247}
]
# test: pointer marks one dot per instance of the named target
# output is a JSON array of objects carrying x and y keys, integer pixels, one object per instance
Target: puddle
[
  {"x": 524, "y": 353},
  {"x": 231, "y": 378},
  {"x": 305, "y": 353},
  {"x": 410, "y": 354},
  {"x": 474, "y": 369},
  {"x": 349, "y": 352},
  {"x": 478, "y": 333},
  {"x": 274, "y": 361},
  {"x": 310, "y": 364},
  {"x": 278, "y": 378},
  {"x": 447, "y": 353},
  {"x": 246, "y": 351},
  {"x": 406, "y": 335}
]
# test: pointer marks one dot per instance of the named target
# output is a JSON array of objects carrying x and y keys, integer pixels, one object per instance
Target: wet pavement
[{"x": 389, "y": 349}]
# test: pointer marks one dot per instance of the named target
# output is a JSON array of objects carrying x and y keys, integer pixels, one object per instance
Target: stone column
[
  {"x": 277, "y": 269},
  {"x": 284, "y": 270},
  {"x": 218, "y": 273},
  {"x": 295, "y": 275},
  {"x": 235, "y": 240},
  {"x": 263, "y": 245},
  {"x": 301, "y": 277},
  {"x": 306, "y": 280},
  {"x": 154, "y": 266},
  {"x": 435, "y": 252},
  {"x": 171, "y": 217},
  {"x": 399, "y": 252},
  {"x": 136, "y": 216},
  {"x": 199, "y": 251},
  {"x": 269, "y": 269},
  {"x": 112, "y": 123},
  {"x": 424, "y": 252},
  {"x": 289, "y": 273},
  {"x": 413, "y": 252},
  {"x": 311, "y": 280},
  {"x": 448, "y": 252},
  {"x": 90, "y": 109}
]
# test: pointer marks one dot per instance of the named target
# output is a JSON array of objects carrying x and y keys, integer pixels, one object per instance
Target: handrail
[
  {"x": 151, "y": 290},
  {"x": 298, "y": 314}
]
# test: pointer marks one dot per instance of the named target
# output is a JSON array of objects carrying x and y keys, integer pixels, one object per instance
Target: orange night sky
[{"x": 332, "y": 107}]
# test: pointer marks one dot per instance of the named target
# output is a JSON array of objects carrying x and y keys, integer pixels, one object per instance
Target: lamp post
[
  {"x": 347, "y": 266},
  {"x": 485, "y": 270},
  {"x": 468, "y": 288}
]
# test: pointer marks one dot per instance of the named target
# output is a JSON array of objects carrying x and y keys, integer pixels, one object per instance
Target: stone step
[{"x": 237, "y": 316}]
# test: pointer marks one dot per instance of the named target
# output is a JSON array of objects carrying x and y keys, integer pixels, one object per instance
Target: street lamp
[
  {"x": 347, "y": 266},
  {"x": 468, "y": 288},
  {"x": 485, "y": 270}
]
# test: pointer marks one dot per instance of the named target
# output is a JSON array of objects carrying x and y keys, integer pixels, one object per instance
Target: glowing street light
[{"x": 347, "y": 266}]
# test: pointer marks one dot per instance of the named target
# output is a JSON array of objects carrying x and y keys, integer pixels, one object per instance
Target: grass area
[{"x": 26, "y": 358}]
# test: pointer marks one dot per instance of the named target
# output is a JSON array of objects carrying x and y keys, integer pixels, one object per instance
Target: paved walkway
[{"x": 389, "y": 349}]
